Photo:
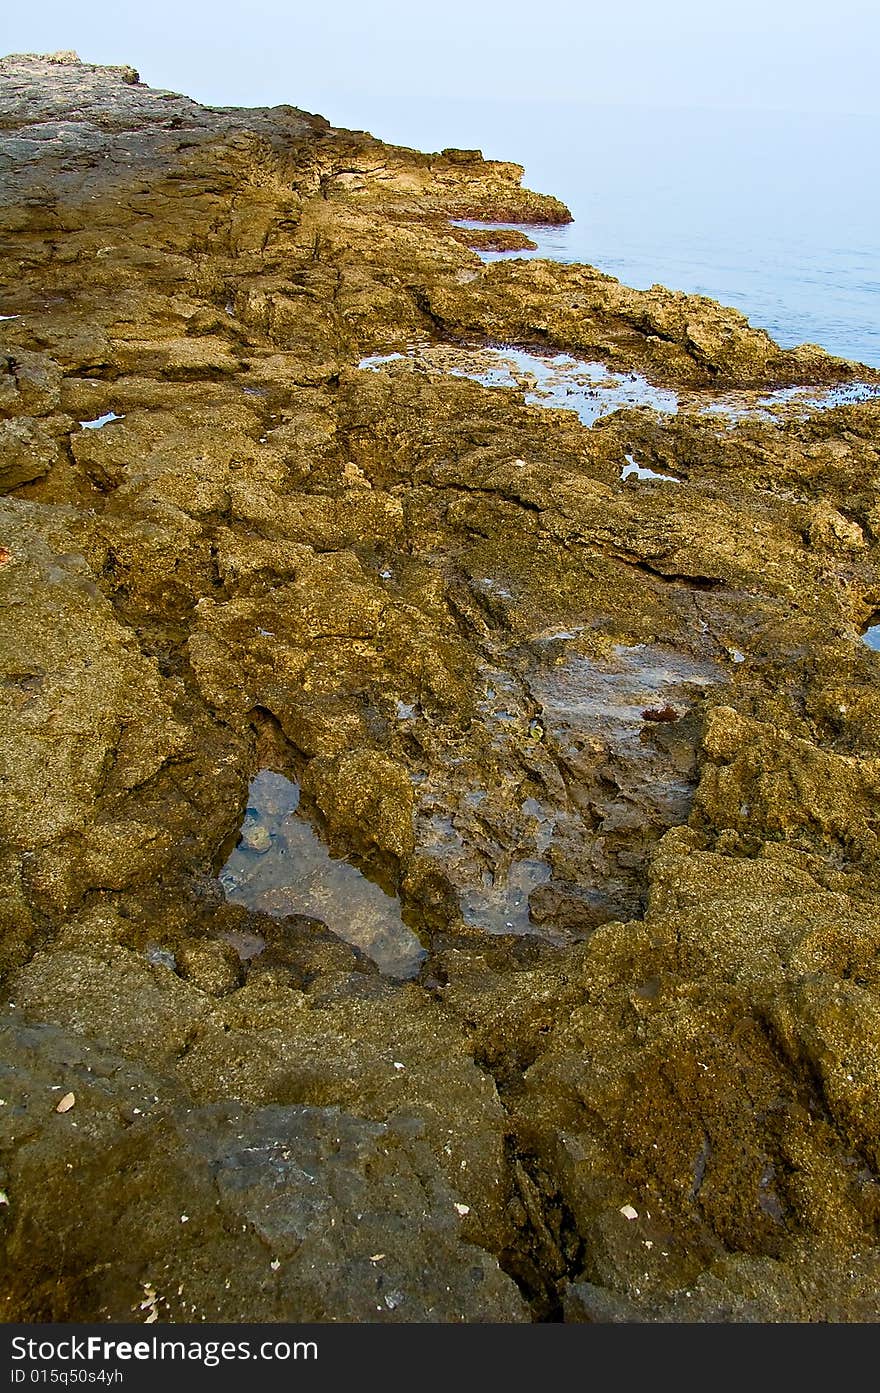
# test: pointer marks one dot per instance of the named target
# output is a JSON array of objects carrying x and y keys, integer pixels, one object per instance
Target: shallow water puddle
[
  {"x": 246, "y": 944},
  {"x": 492, "y": 842},
  {"x": 589, "y": 389},
  {"x": 101, "y": 421},
  {"x": 280, "y": 866},
  {"x": 591, "y": 704},
  {"x": 378, "y": 360},
  {"x": 613, "y": 693},
  {"x": 632, "y": 470},
  {"x": 492, "y": 890},
  {"x": 789, "y": 402},
  {"x": 592, "y": 390},
  {"x": 501, "y": 905},
  {"x": 614, "y": 727}
]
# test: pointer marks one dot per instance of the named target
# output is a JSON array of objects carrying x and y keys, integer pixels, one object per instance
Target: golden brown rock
[{"x": 454, "y": 618}]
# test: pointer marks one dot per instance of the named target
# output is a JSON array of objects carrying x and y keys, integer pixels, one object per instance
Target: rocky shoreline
[{"x": 589, "y": 700}]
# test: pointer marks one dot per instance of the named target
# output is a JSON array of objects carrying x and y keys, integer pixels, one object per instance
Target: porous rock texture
[{"x": 616, "y": 745}]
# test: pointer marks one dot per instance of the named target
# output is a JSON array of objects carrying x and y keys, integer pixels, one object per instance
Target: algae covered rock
[
  {"x": 576, "y": 672},
  {"x": 135, "y": 1206},
  {"x": 367, "y": 799}
]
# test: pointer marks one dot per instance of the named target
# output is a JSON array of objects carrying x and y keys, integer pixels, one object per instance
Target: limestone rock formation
[{"x": 613, "y": 743}]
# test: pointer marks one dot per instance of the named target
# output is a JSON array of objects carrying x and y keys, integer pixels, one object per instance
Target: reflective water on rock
[
  {"x": 871, "y": 638},
  {"x": 592, "y": 390},
  {"x": 378, "y": 360},
  {"x": 501, "y": 904},
  {"x": 493, "y": 880},
  {"x": 246, "y": 944},
  {"x": 587, "y": 761},
  {"x": 100, "y": 421},
  {"x": 280, "y": 866},
  {"x": 555, "y": 380},
  {"x": 617, "y": 724},
  {"x": 160, "y": 957},
  {"x": 789, "y": 402},
  {"x": 632, "y": 470},
  {"x": 614, "y": 698}
]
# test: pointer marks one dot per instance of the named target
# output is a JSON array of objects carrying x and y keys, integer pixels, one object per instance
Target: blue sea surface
[{"x": 775, "y": 213}]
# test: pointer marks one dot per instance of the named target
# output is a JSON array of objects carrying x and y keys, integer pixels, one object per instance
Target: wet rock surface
[
  {"x": 281, "y": 867},
  {"x": 610, "y": 739}
]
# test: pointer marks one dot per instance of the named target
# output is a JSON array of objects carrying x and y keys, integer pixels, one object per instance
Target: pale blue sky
[{"x": 346, "y": 58}]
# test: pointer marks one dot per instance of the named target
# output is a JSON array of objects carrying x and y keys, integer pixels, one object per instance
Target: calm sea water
[{"x": 775, "y": 213}]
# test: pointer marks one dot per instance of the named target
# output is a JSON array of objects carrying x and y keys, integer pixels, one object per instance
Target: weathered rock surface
[
  {"x": 614, "y": 743},
  {"x": 319, "y": 1212}
]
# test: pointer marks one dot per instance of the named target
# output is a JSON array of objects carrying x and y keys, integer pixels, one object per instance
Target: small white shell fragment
[
  {"x": 66, "y": 1103},
  {"x": 463, "y": 1209},
  {"x": 397, "y": 1065},
  {"x": 184, "y": 1218},
  {"x": 4, "y": 1198},
  {"x": 376, "y": 1257},
  {"x": 628, "y": 1212},
  {"x": 275, "y": 1264}
]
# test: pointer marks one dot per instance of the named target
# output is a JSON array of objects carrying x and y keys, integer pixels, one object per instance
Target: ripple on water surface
[{"x": 280, "y": 866}]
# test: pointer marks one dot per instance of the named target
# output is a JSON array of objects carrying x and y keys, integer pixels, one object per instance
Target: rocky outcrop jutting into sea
[{"x": 441, "y": 876}]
